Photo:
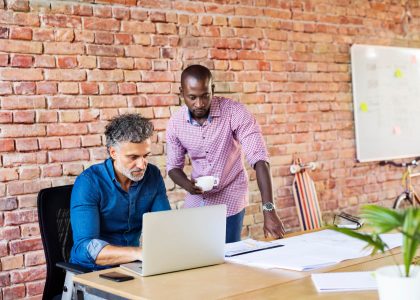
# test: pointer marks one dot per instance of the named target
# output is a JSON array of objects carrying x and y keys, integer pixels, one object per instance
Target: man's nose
[
  {"x": 200, "y": 102},
  {"x": 141, "y": 163}
]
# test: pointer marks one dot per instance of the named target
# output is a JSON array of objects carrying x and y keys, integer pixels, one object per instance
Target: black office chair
[{"x": 57, "y": 238}]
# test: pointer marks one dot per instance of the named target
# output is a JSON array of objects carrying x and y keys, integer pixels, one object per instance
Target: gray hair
[{"x": 131, "y": 128}]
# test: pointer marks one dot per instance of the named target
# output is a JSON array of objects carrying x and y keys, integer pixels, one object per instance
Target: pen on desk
[{"x": 254, "y": 250}]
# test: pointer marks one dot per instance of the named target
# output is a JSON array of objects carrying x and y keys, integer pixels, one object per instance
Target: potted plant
[{"x": 399, "y": 281}]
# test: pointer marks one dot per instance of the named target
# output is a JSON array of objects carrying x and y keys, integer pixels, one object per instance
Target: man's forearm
[
  {"x": 179, "y": 177},
  {"x": 264, "y": 181},
  {"x": 113, "y": 255}
]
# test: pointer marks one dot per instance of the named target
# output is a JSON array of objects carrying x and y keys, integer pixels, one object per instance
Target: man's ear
[
  {"x": 112, "y": 152},
  {"x": 212, "y": 88}
]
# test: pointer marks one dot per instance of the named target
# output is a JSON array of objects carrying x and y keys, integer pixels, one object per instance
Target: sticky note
[
  {"x": 413, "y": 59},
  {"x": 363, "y": 107},
  {"x": 398, "y": 73},
  {"x": 396, "y": 130}
]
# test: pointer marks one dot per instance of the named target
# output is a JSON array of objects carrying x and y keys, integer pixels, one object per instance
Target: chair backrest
[{"x": 56, "y": 234}]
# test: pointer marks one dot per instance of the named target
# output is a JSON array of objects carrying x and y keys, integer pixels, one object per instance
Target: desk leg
[{"x": 89, "y": 293}]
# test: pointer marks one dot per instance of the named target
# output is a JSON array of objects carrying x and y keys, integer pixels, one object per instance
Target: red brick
[
  {"x": 23, "y": 102},
  {"x": 63, "y": 48},
  {"x": 4, "y": 279},
  {"x": 157, "y": 76},
  {"x": 11, "y": 262},
  {"x": 108, "y": 101},
  {"x": 7, "y": 145},
  {"x": 52, "y": 171},
  {"x": 92, "y": 23},
  {"x": 9, "y": 203},
  {"x": 62, "y": 21},
  {"x": 102, "y": 50},
  {"x": 35, "y": 288},
  {"x": 102, "y": 11},
  {"x": 68, "y": 155},
  {"x": 9, "y": 233},
  {"x": 29, "y": 172},
  {"x": 137, "y": 27},
  {"x": 103, "y": 75},
  {"x": 99, "y": 154},
  {"x": 24, "y": 117},
  {"x": 21, "y": 33},
  {"x": 89, "y": 115},
  {"x": 43, "y": 34},
  {"x": 70, "y": 142},
  {"x": 63, "y": 102},
  {"x": 46, "y": 116},
  {"x": 8, "y": 174},
  {"x": 22, "y": 61},
  {"x": 28, "y": 274},
  {"x": 72, "y": 169},
  {"x": 140, "y": 51},
  {"x": 107, "y": 63},
  {"x": 65, "y": 75},
  {"x": 66, "y": 129},
  {"x": 15, "y": 46},
  {"x": 69, "y": 116},
  {"x": 6, "y": 117},
  {"x": 25, "y": 88},
  {"x": 46, "y": 88},
  {"x": 26, "y": 144},
  {"x": 64, "y": 35},
  {"x": 17, "y": 159},
  {"x": 123, "y": 38},
  {"x": 108, "y": 88},
  {"x": 4, "y": 248},
  {"x": 18, "y": 75},
  {"x": 82, "y": 10},
  {"x": 4, "y": 60},
  {"x": 14, "y": 292},
  {"x": 121, "y": 13},
  {"x": 19, "y": 217},
  {"x": 31, "y": 229},
  {"x": 44, "y": 61},
  {"x": 164, "y": 100},
  {"x": 5, "y": 88},
  {"x": 4, "y": 32},
  {"x": 22, "y": 130},
  {"x": 104, "y": 38},
  {"x": 89, "y": 88},
  {"x": 71, "y": 88},
  {"x": 67, "y": 62},
  {"x": 91, "y": 140},
  {"x": 127, "y": 88},
  {"x": 87, "y": 62}
]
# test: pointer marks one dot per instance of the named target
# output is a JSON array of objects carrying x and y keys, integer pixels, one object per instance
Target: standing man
[
  {"x": 109, "y": 199},
  {"x": 212, "y": 131}
]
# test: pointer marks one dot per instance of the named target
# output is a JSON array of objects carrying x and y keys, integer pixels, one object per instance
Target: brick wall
[{"x": 67, "y": 67}]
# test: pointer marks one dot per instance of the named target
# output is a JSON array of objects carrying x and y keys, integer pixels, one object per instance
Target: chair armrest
[{"x": 76, "y": 269}]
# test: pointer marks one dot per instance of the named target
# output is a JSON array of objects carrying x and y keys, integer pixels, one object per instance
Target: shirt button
[{"x": 204, "y": 137}]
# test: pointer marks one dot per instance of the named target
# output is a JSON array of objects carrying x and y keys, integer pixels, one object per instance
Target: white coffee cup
[{"x": 206, "y": 183}]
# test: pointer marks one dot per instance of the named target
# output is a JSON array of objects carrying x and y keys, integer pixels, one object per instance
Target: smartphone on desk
[{"x": 115, "y": 276}]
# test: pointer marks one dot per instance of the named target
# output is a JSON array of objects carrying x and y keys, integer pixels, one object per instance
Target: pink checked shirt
[{"x": 215, "y": 149}]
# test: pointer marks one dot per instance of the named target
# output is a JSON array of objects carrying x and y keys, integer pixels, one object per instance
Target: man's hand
[
  {"x": 273, "y": 226},
  {"x": 191, "y": 188}
]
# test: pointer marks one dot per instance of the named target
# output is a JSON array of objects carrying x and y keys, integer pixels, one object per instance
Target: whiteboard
[{"x": 386, "y": 98}]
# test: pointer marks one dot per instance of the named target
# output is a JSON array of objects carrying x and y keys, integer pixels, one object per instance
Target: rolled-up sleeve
[
  {"x": 175, "y": 158},
  {"x": 85, "y": 222},
  {"x": 248, "y": 134}
]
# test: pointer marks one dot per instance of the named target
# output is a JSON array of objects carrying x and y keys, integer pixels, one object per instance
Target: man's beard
[{"x": 128, "y": 173}]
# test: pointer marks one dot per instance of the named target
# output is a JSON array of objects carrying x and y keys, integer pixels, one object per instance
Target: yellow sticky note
[
  {"x": 398, "y": 73},
  {"x": 363, "y": 107}
]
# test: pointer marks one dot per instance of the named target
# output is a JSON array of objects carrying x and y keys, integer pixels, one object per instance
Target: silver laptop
[{"x": 182, "y": 239}]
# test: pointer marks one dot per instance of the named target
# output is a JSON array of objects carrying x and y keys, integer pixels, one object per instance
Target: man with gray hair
[{"x": 109, "y": 199}]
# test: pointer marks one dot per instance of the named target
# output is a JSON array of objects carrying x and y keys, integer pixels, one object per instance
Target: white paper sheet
[
  {"x": 344, "y": 281},
  {"x": 311, "y": 251}
]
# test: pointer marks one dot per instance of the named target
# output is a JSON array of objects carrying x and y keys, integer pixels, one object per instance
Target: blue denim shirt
[{"x": 102, "y": 213}]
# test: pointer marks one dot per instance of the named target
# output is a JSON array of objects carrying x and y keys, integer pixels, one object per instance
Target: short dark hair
[
  {"x": 199, "y": 72},
  {"x": 131, "y": 128}
]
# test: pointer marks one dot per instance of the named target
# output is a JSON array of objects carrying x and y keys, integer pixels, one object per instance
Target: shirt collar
[
  {"x": 214, "y": 112},
  {"x": 109, "y": 163}
]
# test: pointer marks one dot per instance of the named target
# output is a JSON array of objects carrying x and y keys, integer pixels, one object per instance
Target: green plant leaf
[{"x": 382, "y": 219}]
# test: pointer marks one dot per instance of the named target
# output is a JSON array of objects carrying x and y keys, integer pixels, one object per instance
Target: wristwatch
[{"x": 268, "y": 206}]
